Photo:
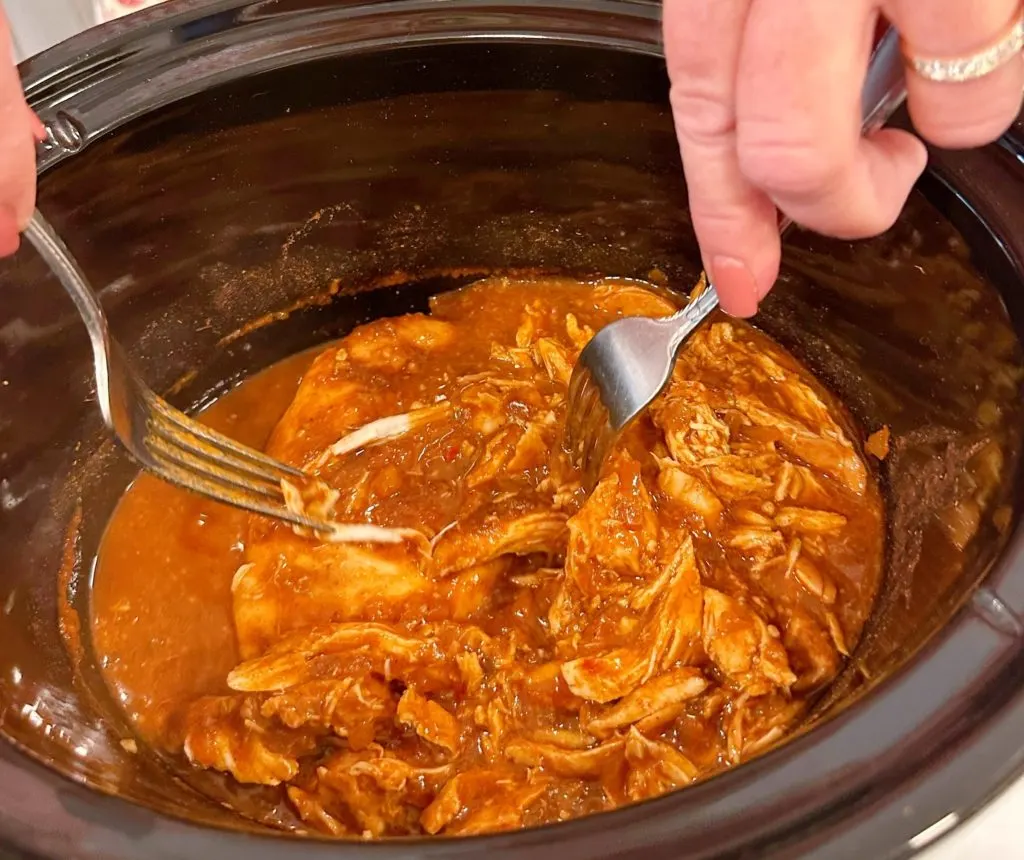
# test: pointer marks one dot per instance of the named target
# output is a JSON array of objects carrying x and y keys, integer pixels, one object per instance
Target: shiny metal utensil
[
  {"x": 165, "y": 441},
  {"x": 629, "y": 362}
]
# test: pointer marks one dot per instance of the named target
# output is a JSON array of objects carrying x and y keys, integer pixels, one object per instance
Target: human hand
[
  {"x": 20, "y": 129},
  {"x": 766, "y": 99}
]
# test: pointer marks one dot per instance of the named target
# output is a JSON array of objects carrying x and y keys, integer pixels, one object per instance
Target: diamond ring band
[{"x": 974, "y": 66}]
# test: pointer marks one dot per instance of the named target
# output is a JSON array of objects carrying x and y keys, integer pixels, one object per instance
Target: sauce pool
[{"x": 161, "y": 596}]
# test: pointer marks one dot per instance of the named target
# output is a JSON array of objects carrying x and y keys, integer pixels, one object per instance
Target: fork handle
[
  {"x": 686, "y": 321},
  {"x": 55, "y": 254}
]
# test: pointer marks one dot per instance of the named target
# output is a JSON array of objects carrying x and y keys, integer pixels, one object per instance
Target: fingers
[
  {"x": 799, "y": 119},
  {"x": 735, "y": 223},
  {"x": 18, "y": 128},
  {"x": 960, "y": 114}
]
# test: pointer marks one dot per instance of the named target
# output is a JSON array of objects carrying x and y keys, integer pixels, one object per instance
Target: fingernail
[
  {"x": 38, "y": 129},
  {"x": 736, "y": 286},
  {"x": 39, "y": 133}
]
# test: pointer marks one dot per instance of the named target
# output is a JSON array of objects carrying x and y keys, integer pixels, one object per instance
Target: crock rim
[{"x": 773, "y": 803}]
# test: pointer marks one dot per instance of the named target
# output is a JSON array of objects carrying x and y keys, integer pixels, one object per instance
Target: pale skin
[
  {"x": 765, "y": 95},
  {"x": 19, "y": 131}
]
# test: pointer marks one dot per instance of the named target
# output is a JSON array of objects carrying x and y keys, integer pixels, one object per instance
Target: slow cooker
[{"x": 244, "y": 179}]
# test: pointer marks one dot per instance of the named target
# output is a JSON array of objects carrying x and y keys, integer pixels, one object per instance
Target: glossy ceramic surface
[{"x": 214, "y": 161}]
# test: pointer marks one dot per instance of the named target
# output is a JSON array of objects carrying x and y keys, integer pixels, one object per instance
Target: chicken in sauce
[{"x": 479, "y": 645}]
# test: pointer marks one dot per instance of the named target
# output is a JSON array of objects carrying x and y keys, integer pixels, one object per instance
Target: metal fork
[
  {"x": 629, "y": 362},
  {"x": 165, "y": 441}
]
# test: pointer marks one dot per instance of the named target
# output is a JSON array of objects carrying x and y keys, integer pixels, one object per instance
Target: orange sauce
[{"x": 161, "y": 596}]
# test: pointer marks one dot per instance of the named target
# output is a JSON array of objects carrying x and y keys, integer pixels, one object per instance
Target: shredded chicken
[
  {"x": 478, "y": 645},
  {"x": 482, "y": 800},
  {"x": 429, "y": 720},
  {"x": 655, "y": 767},
  {"x": 318, "y": 501},
  {"x": 483, "y": 538},
  {"x": 350, "y": 708},
  {"x": 307, "y": 656},
  {"x": 570, "y": 763},
  {"x": 665, "y": 691},
  {"x": 383, "y": 430},
  {"x": 228, "y": 733},
  {"x": 877, "y": 444},
  {"x": 742, "y": 645}
]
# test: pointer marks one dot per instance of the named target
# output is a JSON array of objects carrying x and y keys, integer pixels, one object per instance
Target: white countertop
[{"x": 995, "y": 833}]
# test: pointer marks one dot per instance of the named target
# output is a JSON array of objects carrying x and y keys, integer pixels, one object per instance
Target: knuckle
[
  {"x": 961, "y": 116},
  {"x": 871, "y": 221},
  {"x": 785, "y": 165},
  {"x": 711, "y": 216},
  {"x": 951, "y": 132},
  {"x": 716, "y": 226},
  {"x": 735, "y": 226},
  {"x": 701, "y": 115},
  {"x": 859, "y": 218},
  {"x": 880, "y": 222}
]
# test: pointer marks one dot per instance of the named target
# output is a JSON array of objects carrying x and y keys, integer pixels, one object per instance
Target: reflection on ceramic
[
  {"x": 108, "y": 10},
  {"x": 477, "y": 135}
]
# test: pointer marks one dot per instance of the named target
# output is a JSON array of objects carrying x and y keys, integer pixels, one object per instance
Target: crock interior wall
[{"x": 440, "y": 164}]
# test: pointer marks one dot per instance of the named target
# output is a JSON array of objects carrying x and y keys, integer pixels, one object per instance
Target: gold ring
[{"x": 970, "y": 68}]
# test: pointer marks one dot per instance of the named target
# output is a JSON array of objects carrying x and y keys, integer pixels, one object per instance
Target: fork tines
[
  {"x": 193, "y": 456},
  {"x": 588, "y": 431}
]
